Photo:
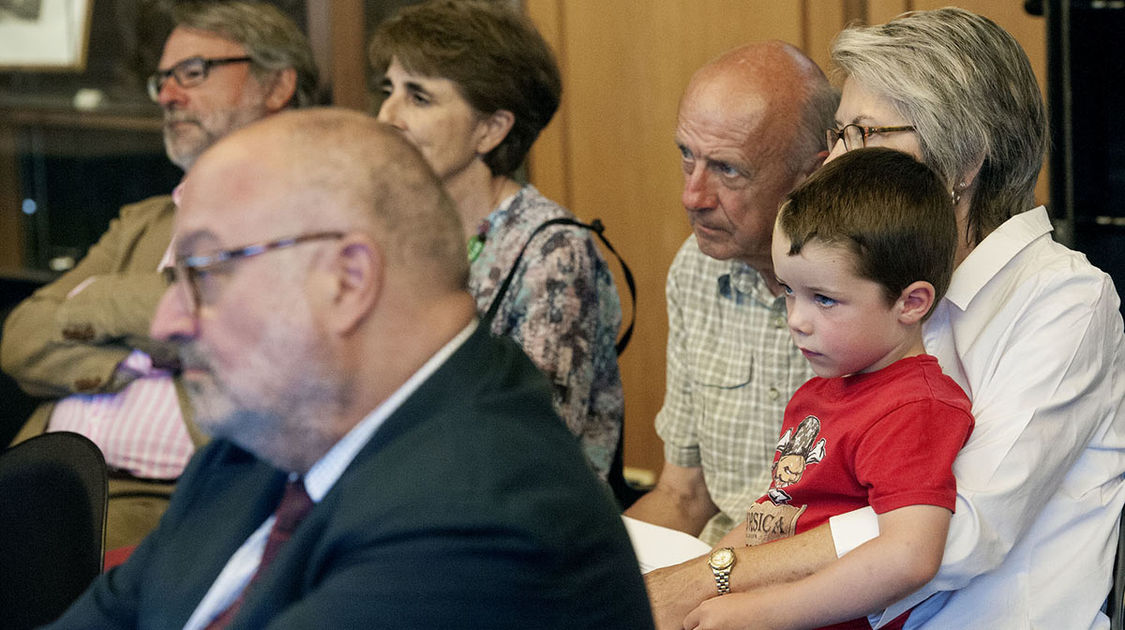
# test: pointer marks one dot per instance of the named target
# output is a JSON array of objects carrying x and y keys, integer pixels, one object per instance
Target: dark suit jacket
[{"x": 471, "y": 507}]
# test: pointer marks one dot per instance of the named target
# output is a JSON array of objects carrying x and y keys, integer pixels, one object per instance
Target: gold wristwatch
[{"x": 721, "y": 561}]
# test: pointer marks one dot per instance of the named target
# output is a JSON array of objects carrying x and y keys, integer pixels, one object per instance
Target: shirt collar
[
  {"x": 328, "y": 469},
  {"x": 994, "y": 252},
  {"x": 748, "y": 281},
  {"x": 743, "y": 277},
  {"x": 500, "y": 213}
]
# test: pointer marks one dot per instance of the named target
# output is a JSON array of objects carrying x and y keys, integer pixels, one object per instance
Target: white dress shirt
[
  {"x": 1033, "y": 334},
  {"x": 321, "y": 477}
]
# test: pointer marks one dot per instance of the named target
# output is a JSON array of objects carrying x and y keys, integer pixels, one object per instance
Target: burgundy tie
[{"x": 294, "y": 507}]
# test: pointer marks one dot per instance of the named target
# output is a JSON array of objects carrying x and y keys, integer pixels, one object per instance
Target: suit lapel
[{"x": 238, "y": 495}]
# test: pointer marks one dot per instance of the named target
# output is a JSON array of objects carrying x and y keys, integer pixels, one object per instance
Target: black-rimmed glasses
[
  {"x": 188, "y": 73},
  {"x": 189, "y": 270},
  {"x": 855, "y": 136}
]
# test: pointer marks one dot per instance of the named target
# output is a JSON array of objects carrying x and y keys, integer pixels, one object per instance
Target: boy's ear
[{"x": 915, "y": 301}]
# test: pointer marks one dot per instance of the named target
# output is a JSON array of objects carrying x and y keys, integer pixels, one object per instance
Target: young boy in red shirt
[{"x": 863, "y": 250}]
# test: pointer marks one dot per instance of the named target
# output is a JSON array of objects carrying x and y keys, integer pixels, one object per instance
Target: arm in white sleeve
[{"x": 1039, "y": 396}]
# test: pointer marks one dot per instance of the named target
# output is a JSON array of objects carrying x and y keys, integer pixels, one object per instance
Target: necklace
[{"x": 476, "y": 241}]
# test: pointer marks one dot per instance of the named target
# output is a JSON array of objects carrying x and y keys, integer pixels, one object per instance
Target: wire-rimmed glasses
[{"x": 855, "y": 136}]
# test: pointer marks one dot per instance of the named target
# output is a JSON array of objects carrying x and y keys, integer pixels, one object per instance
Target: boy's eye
[{"x": 823, "y": 300}]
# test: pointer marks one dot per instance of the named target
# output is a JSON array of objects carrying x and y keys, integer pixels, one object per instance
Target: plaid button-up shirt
[{"x": 732, "y": 368}]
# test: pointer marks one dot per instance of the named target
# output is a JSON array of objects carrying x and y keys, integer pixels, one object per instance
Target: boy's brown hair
[{"x": 893, "y": 213}]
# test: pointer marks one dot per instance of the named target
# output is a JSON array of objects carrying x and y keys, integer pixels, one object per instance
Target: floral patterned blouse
[{"x": 562, "y": 307}]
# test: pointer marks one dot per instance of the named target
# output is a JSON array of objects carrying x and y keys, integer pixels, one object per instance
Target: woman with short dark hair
[{"x": 472, "y": 84}]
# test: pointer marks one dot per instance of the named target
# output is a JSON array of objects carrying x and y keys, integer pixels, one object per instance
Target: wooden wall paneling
[
  {"x": 547, "y": 163},
  {"x": 339, "y": 43},
  {"x": 821, "y": 21},
  {"x": 11, "y": 230},
  {"x": 880, "y": 11}
]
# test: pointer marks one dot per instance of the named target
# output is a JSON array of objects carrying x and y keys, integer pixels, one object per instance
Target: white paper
[{"x": 658, "y": 546}]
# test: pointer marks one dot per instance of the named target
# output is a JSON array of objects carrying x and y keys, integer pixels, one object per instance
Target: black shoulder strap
[{"x": 597, "y": 228}]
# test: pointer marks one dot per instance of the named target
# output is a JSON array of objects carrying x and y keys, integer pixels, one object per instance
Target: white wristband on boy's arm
[{"x": 852, "y": 529}]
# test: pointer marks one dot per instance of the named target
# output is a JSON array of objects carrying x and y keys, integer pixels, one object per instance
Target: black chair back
[{"x": 53, "y": 493}]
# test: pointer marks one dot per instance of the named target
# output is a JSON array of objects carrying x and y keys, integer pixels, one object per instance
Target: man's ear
[
  {"x": 493, "y": 129},
  {"x": 357, "y": 283},
  {"x": 915, "y": 301},
  {"x": 810, "y": 167},
  {"x": 281, "y": 90}
]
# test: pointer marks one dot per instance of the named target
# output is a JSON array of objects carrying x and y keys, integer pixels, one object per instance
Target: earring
[{"x": 956, "y": 192}]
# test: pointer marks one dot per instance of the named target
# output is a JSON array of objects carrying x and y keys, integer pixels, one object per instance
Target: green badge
[{"x": 476, "y": 243}]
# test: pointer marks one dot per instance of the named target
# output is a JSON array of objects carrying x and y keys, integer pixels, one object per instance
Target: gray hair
[
  {"x": 817, "y": 114},
  {"x": 967, "y": 87},
  {"x": 268, "y": 35}
]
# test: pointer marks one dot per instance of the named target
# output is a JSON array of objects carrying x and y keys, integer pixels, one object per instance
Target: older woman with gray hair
[{"x": 1028, "y": 328}]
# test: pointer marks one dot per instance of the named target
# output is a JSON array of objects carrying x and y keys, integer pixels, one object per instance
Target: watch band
[
  {"x": 721, "y": 561},
  {"x": 722, "y": 580}
]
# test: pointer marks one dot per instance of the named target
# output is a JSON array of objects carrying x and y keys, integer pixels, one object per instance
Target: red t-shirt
[{"x": 885, "y": 439}]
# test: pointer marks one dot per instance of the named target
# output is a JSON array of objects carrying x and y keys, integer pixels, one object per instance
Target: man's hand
[
  {"x": 674, "y": 591},
  {"x": 679, "y": 501}
]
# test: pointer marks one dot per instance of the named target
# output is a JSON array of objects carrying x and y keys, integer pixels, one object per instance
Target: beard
[
  {"x": 276, "y": 402},
  {"x": 185, "y": 139},
  {"x": 187, "y": 134},
  {"x": 214, "y": 405}
]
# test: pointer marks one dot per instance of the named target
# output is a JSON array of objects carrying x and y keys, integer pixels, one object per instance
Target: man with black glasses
[{"x": 82, "y": 341}]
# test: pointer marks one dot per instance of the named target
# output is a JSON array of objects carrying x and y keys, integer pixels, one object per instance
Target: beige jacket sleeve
[{"x": 106, "y": 320}]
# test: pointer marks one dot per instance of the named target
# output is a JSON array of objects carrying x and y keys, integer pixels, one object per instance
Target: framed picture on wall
[{"x": 44, "y": 35}]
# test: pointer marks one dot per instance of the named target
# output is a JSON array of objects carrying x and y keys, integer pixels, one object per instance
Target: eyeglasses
[
  {"x": 855, "y": 136},
  {"x": 191, "y": 270},
  {"x": 188, "y": 73}
]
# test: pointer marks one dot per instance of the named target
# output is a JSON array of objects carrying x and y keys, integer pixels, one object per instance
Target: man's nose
[
  {"x": 173, "y": 320},
  {"x": 699, "y": 191},
  {"x": 170, "y": 92}
]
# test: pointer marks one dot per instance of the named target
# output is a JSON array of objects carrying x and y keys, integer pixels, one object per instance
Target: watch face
[{"x": 722, "y": 558}]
